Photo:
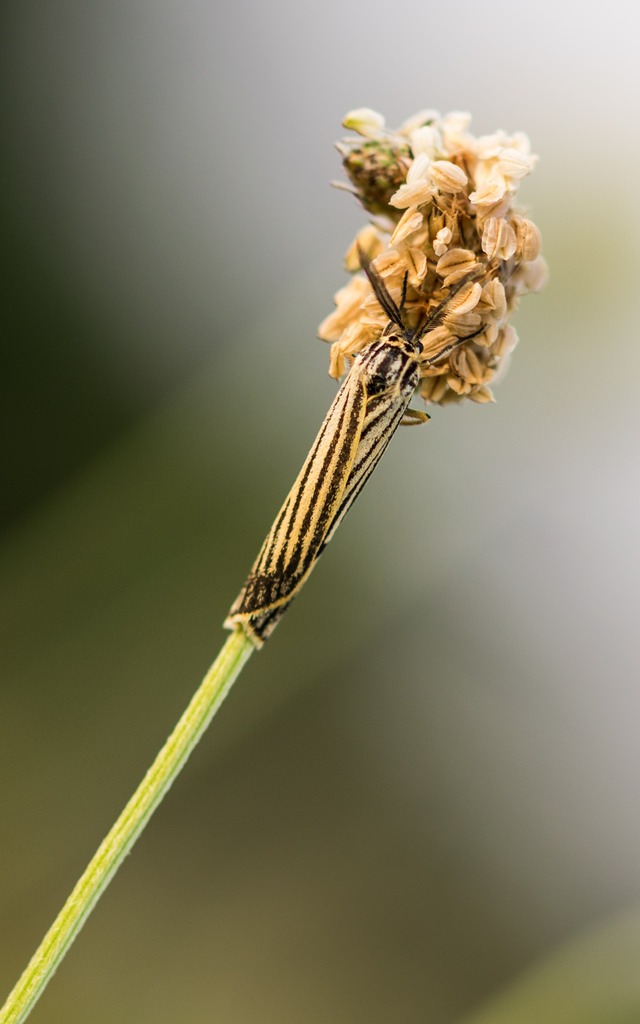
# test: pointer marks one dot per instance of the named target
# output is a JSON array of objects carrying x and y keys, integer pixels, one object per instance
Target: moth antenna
[
  {"x": 405, "y": 281},
  {"x": 448, "y": 349},
  {"x": 380, "y": 290},
  {"x": 441, "y": 307}
]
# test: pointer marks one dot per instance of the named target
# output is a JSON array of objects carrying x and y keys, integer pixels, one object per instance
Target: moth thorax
[{"x": 390, "y": 364}]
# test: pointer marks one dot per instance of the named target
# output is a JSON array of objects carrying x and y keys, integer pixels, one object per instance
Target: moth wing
[
  {"x": 381, "y": 419},
  {"x": 308, "y": 514}
]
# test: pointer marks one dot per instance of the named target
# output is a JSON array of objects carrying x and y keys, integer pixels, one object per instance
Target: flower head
[{"x": 444, "y": 205}]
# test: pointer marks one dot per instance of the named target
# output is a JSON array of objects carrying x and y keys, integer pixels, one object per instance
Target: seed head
[{"x": 444, "y": 206}]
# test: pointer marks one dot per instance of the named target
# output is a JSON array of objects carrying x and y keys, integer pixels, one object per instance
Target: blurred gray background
[{"x": 428, "y": 780}]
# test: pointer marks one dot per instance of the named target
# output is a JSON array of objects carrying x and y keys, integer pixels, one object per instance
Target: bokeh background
[{"x": 422, "y": 798}]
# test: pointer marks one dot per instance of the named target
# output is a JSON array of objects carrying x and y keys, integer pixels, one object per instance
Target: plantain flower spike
[{"x": 444, "y": 209}]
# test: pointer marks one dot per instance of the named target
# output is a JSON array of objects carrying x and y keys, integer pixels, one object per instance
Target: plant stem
[{"x": 117, "y": 843}]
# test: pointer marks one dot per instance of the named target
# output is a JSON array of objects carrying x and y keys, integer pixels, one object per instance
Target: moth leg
[{"x": 413, "y": 417}]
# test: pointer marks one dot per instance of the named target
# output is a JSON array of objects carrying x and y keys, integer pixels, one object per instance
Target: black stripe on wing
[
  {"x": 378, "y": 429},
  {"x": 290, "y": 550}
]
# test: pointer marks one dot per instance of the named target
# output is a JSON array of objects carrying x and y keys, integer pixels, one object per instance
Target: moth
[{"x": 367, "y": 410}]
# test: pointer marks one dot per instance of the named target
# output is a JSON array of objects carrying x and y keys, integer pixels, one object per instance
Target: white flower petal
[
  {"x": 365, "y": 122},
  {"x": 514, "y": 164},
  {"x": 411, "y": 195},
  {"x": 490, "y": 193},
  {"x": 447, "y": 177},
  {"x": 423, "y": 117},
  {"x": 410, "y": 221},
  {"x": 425, "y": 140},
  {"x": 419, "y": 169},
  {"x": 442, "y": 241},
  {"x": 455, "y": 121}
]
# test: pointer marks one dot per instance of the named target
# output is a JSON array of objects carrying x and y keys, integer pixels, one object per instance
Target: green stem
[{"x": 116, "y": 845}]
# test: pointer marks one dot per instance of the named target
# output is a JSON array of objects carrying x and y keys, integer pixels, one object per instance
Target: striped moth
[{"x": 368, "y": 408}]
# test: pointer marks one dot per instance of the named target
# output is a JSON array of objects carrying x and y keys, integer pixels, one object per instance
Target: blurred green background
[{"x": 427, "y": 783}]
